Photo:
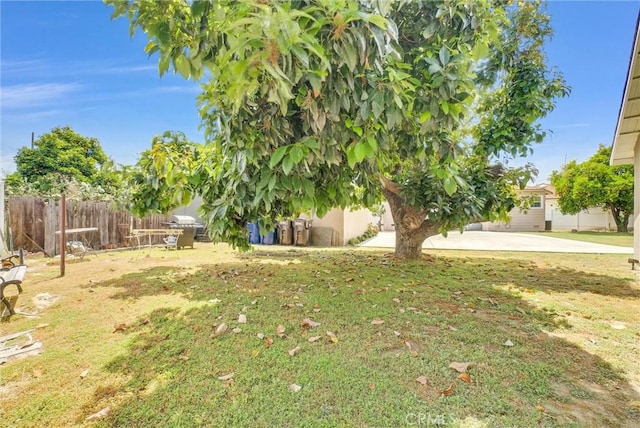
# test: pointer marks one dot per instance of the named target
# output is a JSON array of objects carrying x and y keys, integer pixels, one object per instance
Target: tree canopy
[
  {"x": 309, "y": 105},
  {"x": 595, "y": 183},
  {"x": 64, "y": 161}
]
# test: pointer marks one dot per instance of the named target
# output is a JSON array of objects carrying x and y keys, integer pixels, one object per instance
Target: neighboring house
[
  {"x": 529, "y": 220},
  {"x": 626, "y": 149}
]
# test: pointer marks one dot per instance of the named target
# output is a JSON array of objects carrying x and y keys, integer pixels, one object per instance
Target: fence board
[{"x": 34, "y": 221}]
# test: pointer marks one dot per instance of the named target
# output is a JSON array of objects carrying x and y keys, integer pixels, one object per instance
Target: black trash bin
[{"x": 301, "y": 233}]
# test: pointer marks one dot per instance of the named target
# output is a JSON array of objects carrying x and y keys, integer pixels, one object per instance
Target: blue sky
[{"x": 68, "y": 63}]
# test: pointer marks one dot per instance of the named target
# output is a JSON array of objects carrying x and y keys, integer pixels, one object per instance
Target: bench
[{"x": 14, "y": 276}]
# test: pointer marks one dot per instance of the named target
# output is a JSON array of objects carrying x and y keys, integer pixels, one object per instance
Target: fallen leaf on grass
[
  {"x": 397, "y": 333},
  {"x": 184, "y": 357},
  {"x": 84, "y": 374},
  {"x": 242, "y": 319},
  {"x": 237, "y": 330},
  {"x": 377, "y": 321},
  {"x": 459, "y": 367},
  {"x": 314, "y": 339},
  {"x": 293, "y": 351},
  {"x": 422, "y": 380},
  {"x": 260, "y": 336},
  {"x": 452, "y": 328},
  {"x": 372, "y": 386},
  {"x": 99, "y": 415},
  {"x": 37, "y": 373},
  {"x": 227, "y": 376},
  {"x": 268, "y": 342},
  {"x": 540, "y": 408},
  {"x": 396, "y": 300},
  {"x": 508, "y": 343},
  {"x": 448, "y": 391},
  {"x": 221, "y": 328},
  {"x": 119, "y": 327},
  {"x": 280, "y": 331},
  {"x": 465, "y": 377},
  {"x": 294, "y": 388},
  {"x": 332, "y": 337},
  {"x": 307, "y": 323}
]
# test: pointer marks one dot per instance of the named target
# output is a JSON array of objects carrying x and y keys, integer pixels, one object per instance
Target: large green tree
[
  {"x": 64, "y": 161},
  {"x": 64, "y": 152},
  {"x": 313, "y": 104},
  {"x": 595, "y": 183}
]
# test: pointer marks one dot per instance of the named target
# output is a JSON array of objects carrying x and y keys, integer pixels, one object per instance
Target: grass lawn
[
  {"x": 609, "y": 238},
  {"x": 332, "y": 338}
]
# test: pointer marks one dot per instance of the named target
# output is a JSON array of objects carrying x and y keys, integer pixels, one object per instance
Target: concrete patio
[{"x": 501, "y": 241}]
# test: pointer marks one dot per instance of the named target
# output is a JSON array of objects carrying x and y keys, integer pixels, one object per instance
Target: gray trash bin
[
  {"x": 301, "y": 233},
  {"x": 285, "y": 233}
]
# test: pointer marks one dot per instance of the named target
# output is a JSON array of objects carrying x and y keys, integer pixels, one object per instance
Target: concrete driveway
[{"x": 501, "y": 241}]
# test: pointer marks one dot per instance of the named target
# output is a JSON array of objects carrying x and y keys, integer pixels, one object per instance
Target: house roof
[
  {"x": 628, "y": 127},
  {"x": 539, "y": 188}
]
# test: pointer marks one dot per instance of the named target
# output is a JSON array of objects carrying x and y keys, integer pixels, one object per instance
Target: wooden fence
[{"x": 34, "y": 221}]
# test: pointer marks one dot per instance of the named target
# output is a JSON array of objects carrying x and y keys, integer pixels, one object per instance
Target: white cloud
[
  {"x": 31, "y": 95},
  {"x": 23, "y": 67}
]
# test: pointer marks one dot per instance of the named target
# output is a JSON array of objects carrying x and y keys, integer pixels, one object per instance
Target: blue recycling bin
[
  {"x": 270, "y": 238},
  {"x": 254, "y": 233}
]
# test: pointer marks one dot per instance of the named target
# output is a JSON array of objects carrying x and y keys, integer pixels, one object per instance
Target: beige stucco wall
[
  {"x": 387, "y": 219},
  {"x": 356, "y": 223},
  {"x": 346, "y": 223},
  {"x": 333, "y": 219}
]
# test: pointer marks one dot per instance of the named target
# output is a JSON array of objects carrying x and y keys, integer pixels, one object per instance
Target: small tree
[
  {"x": 309, "y": 105},
  {"x": 595, "y": 183}
]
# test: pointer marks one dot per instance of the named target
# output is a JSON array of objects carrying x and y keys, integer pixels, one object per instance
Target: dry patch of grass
[{"x": 146, "y": 324}]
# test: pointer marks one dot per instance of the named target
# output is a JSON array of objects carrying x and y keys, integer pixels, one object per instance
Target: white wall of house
[
  {"x": 530, "y": 220},
  {"x": 591, "y": 219}
]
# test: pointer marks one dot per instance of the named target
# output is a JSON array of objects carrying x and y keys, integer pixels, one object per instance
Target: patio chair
[{"x": 171, "y": 242}]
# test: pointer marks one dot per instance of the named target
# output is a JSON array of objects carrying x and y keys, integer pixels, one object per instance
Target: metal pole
[
  {"x": 32, "y": 136},
  {"x": 63, "y": 236}
]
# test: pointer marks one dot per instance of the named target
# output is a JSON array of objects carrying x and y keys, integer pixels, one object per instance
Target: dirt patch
[
  {"x": 44, "y": 300},
  {"x": 590, "y": 404}
]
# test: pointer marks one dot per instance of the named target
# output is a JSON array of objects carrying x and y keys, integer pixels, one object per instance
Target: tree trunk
[
  {"x": 621, "y": 218},
  {"x": 412, "y": 226}
]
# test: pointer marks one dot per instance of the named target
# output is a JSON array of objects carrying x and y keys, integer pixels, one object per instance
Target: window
[{"x": 536, "y": 201}]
